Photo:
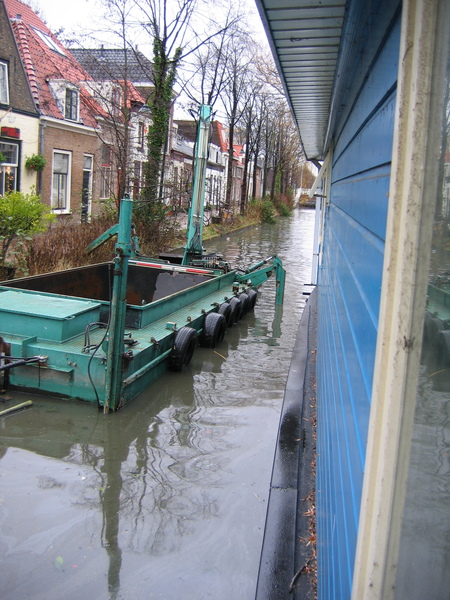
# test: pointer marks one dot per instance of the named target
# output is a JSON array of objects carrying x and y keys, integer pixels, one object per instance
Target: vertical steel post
[
  {"x": 113, "y": 387},
  {"x": 280, "y": 275},
  {"x": 194, "y": 248}
]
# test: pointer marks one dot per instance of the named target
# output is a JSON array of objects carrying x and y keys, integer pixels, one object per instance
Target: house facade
[
  {"x": 78, "y": 172},
  {"x": 368, "y": 85},
  {"x": 183, "y": 143},
  {"x": 122, "y": 77},
  {"x": 19, "y": 119}
]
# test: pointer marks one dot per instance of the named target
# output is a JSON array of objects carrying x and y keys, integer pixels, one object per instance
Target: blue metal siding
[{"x": 349, "y": 297}]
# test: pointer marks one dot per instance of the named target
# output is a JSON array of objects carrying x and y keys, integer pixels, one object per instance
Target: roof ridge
[{"x": 22, "y": 43}]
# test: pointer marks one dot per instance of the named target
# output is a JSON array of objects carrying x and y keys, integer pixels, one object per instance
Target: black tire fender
[
  {"x": 443, "y": 348},
  {"x": 432, "y": 327},
  {"x": 252, "y": 298},
  {"x": 183, "y": 348},
  {"x": 213, "y": 330},
  {"x": 225, "y": 310},
  {"x": 244, "y": 303},
  {"x": 236, "y": 308}
]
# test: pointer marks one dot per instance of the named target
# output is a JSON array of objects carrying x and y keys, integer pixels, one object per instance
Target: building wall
[
  {"x": 20, "y": 97},
  {"x": 349, "y": 297},
  {"x": 77, "y": 142},
  {"x": 28, "y": 144}
]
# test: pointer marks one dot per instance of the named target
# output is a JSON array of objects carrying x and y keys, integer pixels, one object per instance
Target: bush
[
  {"x": 267, "y": 212},
  {"x": 284, "y": 203},
  {"x": 283, "y": 210},
  {"x": 63, "y": 245},
  {"x": 21, "y": 215}
]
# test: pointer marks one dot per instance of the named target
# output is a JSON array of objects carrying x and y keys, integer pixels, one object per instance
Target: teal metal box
[{"x": 45, "y": 316}]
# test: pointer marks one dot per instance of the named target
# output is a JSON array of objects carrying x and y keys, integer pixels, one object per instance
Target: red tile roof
[
  {"x": 134, "y": 97},
  {"x": 43, "y": 64}
]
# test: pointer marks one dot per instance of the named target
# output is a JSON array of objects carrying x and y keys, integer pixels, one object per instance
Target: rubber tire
[
  {"x": 225, "y": 310},
  {"x": 252, "y": 298},
  {"x": 236, "y": 308},
  {"x": 443, "y": 348},
  {"x": 183, "y": 348},
  {"x": 245, "y": 304},
  {"x": 213, "y": 330},
  {"x": 432, "y": 327}
]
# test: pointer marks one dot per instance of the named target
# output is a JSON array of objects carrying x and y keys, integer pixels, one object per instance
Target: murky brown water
[{"x": 166, "y": 499}]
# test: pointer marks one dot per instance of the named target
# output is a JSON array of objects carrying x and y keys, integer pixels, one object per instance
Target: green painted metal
[
  {"x": 194, "y": 248},
  {"x": 50, "y": 317},
  {"x": 256, "y": 275},
  {"x": 118, "y": 309},
  {"x": 108, "y": 351},
  {"x": 438, "y": 302},
  {"x": 78, "y": 367},
  {"x": 104, "y": 237}
]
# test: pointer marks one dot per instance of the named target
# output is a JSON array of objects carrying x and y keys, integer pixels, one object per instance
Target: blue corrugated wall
[{"x": 349, "y": 296}]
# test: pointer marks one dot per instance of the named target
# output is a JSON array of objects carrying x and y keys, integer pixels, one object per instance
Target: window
[
  {"x": 4, "y": 86},
  {"x": 105, "y": 172},
  {"x": 105, "y": 182},
  {"x": 141, "y": 135},
  {"x": 71, "y": 105},
  {"x": 116, "y": 102},
  {"x": 49, "y": 41},
  {"x": 61, "y": 181},
  {"x": 86, "y": 192},
  {"x": 136, "y": 179},
  {"x": 8, "y": 169},
  {"x": 106, "y": 155}
]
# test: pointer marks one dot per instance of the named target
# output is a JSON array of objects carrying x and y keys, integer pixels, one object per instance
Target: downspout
[{"x": 41, "y": 152}]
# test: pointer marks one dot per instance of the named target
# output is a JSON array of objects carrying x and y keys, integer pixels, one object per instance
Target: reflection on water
[
  {"x": 166, "y": 499},
  {"x": 425, "y": 543}
]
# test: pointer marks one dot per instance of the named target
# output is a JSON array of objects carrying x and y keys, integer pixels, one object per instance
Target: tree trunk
[
  {"x": 230, "y": 164},
  {"x": 245, "y": 175}
]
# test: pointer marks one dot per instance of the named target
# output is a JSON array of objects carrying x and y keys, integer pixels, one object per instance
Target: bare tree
[{"x": 170, "y": 24}]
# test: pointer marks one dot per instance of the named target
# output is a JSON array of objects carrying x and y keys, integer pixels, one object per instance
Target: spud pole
[{"x": 113, "y": 387}]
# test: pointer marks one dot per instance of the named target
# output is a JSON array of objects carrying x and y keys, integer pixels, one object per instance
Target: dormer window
[
  {"x": 116, "y": 100},
  {"x": 71, "y": 104},
  {"x": 4, "y": 86}
]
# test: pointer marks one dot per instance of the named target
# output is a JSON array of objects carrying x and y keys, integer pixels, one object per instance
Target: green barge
[{"x": 103, "y": 333}]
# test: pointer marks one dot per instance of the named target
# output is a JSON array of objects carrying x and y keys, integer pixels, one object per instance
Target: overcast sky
[
  {"x": 86, "y": 14},
  {"x": 67, "y": 13},
  {"x": 71, "y": 15}
]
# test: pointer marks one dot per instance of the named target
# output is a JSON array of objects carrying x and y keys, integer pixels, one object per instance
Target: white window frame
[
  {"x": 89, "y": 170},
  {"x": 66, "y": 208},
  {"x": 75, "y": 91},
  {"x": 8, "y": 167},
  {"x": 141, "y": 136},
  {"x": 49, "y": 41},
  {"x": 412, "y": 204},
  {"x": 105, "y": 172},
  {"x": 4, "y": 82}
]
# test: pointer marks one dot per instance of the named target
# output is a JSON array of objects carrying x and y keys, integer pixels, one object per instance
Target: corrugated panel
[
  {"x": 305, "y": 38},
  {"x": 339, "y": 65},
  {"x": 349, "y": 297}
]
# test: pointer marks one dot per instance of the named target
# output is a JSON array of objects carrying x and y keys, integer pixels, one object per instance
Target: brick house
[
  {"x": 78, "y": 172},
  {"x": 109, "y": 69}
]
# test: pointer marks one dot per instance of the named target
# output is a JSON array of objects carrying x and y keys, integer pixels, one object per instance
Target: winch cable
[
  {"x": 19, "y": 361},
  {"x": 96, "y": 347}
]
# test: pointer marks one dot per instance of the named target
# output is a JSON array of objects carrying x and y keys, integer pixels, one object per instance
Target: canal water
[{"x": 166, "y": 499}]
